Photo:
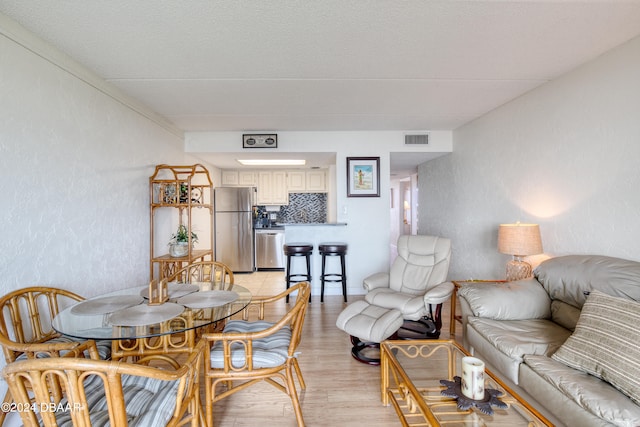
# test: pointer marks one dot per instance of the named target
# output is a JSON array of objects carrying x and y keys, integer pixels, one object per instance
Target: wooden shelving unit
[{"x": 185, "y": 189}]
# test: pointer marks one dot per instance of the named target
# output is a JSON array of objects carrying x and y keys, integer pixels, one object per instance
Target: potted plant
[{"x": 179, "y": 243}]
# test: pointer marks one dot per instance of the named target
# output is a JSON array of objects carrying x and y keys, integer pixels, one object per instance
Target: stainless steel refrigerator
[{"x": 233, "y": 223}]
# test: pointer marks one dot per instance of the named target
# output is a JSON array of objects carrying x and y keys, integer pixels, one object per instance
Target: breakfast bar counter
[
  {"x": 316, "y": 233},
  {"x": 312, "y": 224}
]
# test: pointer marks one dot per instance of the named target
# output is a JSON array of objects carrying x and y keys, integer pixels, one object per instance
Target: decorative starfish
[{"x": 490, "y": 397}]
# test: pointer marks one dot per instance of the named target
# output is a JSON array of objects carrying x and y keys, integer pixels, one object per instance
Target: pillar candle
[{"x": 473, "y": 378}]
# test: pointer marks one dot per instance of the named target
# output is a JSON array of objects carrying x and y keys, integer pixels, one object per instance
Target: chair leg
[
  {"x": 303, "y": 385},
  {"x": 308, "y": 257},
  {"x": 288, "y": 276},
  {"x": 324, "y": 258},
  {"x": 208, "y": 396},
  {"x": 344, "y": 278},
  {"x": 199, "y": 418},
  {"x": 293, "y": 394},
  {"x": 8, "y": 399}
]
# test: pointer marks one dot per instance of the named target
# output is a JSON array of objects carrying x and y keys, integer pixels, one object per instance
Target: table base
[
  {"x": 410, "y": 381},
  {"x": 165, "y": 346}
]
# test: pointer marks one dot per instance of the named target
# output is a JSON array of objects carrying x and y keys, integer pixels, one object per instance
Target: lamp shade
[{"x": 519, "y": 239}]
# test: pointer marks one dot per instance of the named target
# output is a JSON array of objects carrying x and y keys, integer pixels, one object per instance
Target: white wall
[
  {"x": 75, "y": 161},
  {"x": 75, "y": 167},
  {"x": 566, "y": 156},
  {"x": 395, "y": 218},
  {"x": 368, "y": 229}
]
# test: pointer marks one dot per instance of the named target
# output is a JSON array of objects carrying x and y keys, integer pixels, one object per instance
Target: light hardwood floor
[{"x": 340, "y": 391}]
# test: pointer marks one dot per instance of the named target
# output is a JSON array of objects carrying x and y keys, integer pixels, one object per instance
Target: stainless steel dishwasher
[{"x": 269, "y": 252}]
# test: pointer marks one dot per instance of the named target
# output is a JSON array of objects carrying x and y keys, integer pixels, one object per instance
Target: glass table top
[
  {"x": 411, "y": 371},
  {"x": 125, "y": 314}
]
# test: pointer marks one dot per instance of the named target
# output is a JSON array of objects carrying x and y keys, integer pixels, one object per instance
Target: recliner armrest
[
  {"x": 519, "y": 300},
  {"x": 439, "y": 293},
  {"x": 377, "y": 280}
]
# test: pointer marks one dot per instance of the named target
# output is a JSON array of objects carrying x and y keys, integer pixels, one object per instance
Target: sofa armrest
[
  {"x": 519, "y": 300},
  {"x": 377, "y": 280},
  {"x": 439, "y": 294},
  {"x": 465, "y": 312}
]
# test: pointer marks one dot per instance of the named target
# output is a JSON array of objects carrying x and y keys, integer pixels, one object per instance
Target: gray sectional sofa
[{"x": 567, "y": 339}]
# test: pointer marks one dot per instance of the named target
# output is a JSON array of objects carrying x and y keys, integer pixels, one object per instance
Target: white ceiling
[{"x": 285, "y": 65}]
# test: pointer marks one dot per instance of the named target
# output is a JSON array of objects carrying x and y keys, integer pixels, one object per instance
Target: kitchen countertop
[
  {"x": 312, "y": 224},
  {"x": 273, "y": 227}
]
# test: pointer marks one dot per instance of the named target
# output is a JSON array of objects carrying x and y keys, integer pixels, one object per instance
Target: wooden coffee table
[{"x": 411, "y": 371}]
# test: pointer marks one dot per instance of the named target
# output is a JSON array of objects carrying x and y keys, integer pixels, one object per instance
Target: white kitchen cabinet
[
  {"x": 274, "y": 185},
  {"x": 313, "y": 181},
  {"x": 242, "y": 178},
  {"x": 272, "y": 188},
  {"x": 229, "y": 178},
  {"x": 247, "y": 178},
  {"x": 296, "y": 181},
  {"x": 316, "y": 181}
]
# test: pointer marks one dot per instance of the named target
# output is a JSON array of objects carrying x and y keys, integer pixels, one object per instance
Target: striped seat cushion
[
  {"x": 104, "y": 348},
  {"x": 267, "y": 352},
  {"x": 149, "y": 402}
]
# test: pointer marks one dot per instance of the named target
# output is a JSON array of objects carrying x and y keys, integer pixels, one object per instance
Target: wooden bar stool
[
  {"x": 292, "y": 250},
  {"x": 333, "y": 249}
]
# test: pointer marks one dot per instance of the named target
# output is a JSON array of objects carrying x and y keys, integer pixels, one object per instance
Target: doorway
[{"x": 403, "y": 213}]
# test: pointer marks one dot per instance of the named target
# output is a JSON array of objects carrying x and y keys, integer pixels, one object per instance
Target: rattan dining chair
[
  {"x": 88, "y": 392},
  {"x": 247, "y": 352},
  {"x": 25, "y": 326},
  {"x": 207, "y": 274}
]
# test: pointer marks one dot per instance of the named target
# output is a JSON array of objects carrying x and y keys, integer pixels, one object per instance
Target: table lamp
[{"x": 519, "y": 240}]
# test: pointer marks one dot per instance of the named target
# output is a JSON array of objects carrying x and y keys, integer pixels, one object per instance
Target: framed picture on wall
[{"x": 363, "y": 176}]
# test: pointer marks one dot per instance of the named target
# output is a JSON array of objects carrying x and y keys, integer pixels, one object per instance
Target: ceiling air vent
[
  {"x": 416, "y": 139},
  {"x": 259, "y": 141}
]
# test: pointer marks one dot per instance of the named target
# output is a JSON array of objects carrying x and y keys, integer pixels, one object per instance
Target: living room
[
  {"x": 76, "y": 158},
  {"x": 564, "y": 161}
]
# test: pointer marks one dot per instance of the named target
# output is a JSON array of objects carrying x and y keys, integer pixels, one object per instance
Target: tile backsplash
[{"x": 303, "y": 208}]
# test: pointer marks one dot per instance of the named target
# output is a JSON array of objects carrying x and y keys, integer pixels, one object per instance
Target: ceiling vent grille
[
  {"x": 260, "y": 141},
  {"x": 416, "y": 139}
]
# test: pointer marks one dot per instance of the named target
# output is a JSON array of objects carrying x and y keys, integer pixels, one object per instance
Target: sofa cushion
[
  {"x": 515, "y": 338},
  {"x": 567, "y": 278},
  {"x": 590, "y": 393},
  {"x": 564, "y": 314},
  {"x": 505, "y": 342},
  {"x": 606, "y": 342},
  {"x": 495, "y": 300}
]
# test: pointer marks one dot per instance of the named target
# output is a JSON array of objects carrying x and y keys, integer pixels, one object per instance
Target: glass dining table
[{"x": 143, "y": 332}]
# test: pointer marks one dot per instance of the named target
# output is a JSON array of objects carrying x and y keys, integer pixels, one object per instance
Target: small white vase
[{"x": 179, "y": 249}]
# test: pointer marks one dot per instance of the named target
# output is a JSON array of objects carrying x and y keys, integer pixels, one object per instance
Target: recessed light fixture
[{"x": 272, "y": 162}]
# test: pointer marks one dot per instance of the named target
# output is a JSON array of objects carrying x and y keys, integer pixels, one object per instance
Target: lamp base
[{"x": 518, "y": 270}]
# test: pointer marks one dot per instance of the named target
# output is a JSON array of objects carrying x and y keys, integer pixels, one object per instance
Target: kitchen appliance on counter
[
  {"x": 266, "y": 216},
  {"x": 233, "y": 222},
  {"x": 269, "y": 248}
]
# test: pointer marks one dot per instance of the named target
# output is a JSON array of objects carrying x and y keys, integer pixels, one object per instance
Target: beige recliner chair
[{"x": 406, "y": 302}]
